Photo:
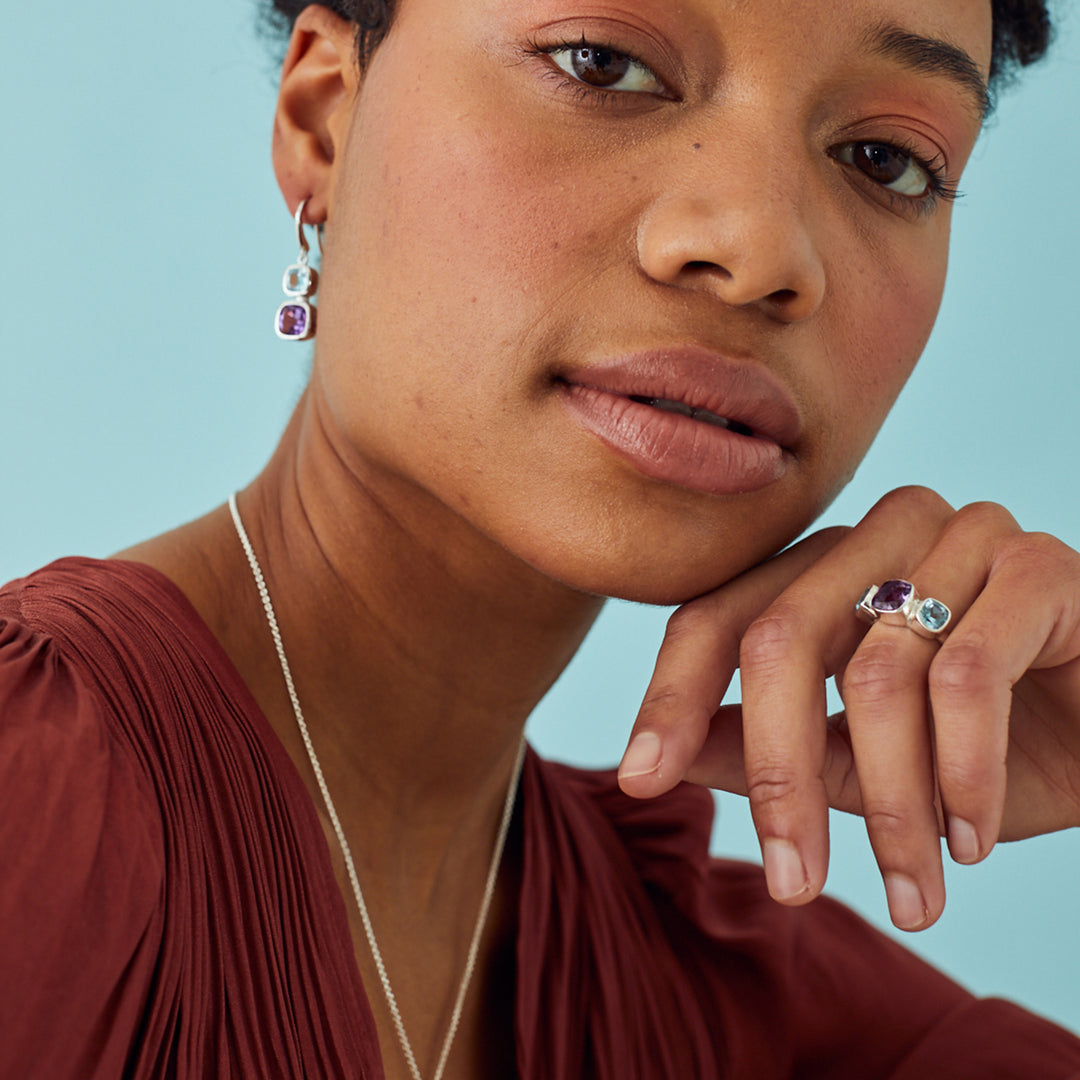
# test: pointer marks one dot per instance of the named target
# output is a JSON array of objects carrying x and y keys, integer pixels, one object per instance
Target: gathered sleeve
[
  {"x": 864, "y": 1006},
  {"x": 719, "y": 980},
  {"x": 81, "y": 871}
]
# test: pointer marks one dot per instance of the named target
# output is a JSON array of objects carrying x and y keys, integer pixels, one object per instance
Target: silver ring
[{"x": 898, "y": 603}]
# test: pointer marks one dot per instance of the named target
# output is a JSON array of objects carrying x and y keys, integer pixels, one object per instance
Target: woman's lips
[{"x": 689, "y": 417}]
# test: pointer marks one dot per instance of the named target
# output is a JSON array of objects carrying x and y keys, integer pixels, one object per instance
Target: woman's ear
[{"x": 319, "y": 79}]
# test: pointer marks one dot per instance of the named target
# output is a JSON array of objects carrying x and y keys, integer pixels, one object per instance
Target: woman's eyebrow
[{"x": 931, "y": 56}]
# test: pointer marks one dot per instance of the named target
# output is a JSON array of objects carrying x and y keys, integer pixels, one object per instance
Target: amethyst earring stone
[{"x": 295, "y": 321}]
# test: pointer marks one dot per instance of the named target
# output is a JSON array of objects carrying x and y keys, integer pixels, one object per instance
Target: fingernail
[
  {"x": 642, "y": 755},
  {"x": 784, "y": 870},
  {"x": 906, "y": 904},
  {"x": 963, "y": 841}
]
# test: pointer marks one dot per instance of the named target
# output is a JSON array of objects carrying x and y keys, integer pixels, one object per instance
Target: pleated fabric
[{"x": 168, "y": 907}]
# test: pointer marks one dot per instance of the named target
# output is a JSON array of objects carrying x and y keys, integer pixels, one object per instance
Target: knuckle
[
  {"x": 875, "y": 673},
  {"x": 913, "y": 498},
  {"x": 961, "y": 669},
  {"x": 662, "y": 703},
  {"x": 833, "y": 534},
  {"x": 771, "y": 785},
  {"x": 962, "y": 779},
  {"x": 888, "y": 822},
  {"x": 983, "y": 517},
  {"x": 694, "y": 626},
  {"x": 688, "y": 621},
  {"x": 1038, "y": 554},
  {"x": 768, "y": 641}
]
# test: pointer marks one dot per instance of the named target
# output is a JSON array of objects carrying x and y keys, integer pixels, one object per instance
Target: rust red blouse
[{"x": 168, "y": 907}]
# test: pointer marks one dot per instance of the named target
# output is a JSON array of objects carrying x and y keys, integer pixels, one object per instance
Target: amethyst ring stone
[
  {"x": 898, "y": 603},
  {"x": 891, "y": 602}
]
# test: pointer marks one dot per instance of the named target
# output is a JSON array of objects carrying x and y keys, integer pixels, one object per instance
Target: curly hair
[{"x": 1021, "y": 29}]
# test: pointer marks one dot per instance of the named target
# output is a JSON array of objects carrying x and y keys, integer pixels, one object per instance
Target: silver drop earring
[{"x": 295, "y": 318}]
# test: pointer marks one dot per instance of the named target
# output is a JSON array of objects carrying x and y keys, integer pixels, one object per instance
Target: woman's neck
[{"x": 418, "y": 646}]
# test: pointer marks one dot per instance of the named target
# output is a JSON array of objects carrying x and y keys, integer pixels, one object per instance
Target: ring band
[{"x": 898, "y": 603}]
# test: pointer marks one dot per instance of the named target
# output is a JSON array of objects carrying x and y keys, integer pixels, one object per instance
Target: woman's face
[{"x": 557, "y": 227}]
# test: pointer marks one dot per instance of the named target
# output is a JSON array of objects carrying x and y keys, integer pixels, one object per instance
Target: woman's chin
[
  {"x": 668, "y": 590},
  {"x": 664, "y": 578}
]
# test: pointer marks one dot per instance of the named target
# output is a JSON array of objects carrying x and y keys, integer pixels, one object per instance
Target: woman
[{"x": 435, "y": 534}]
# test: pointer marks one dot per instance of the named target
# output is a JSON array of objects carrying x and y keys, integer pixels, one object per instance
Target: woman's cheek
[
  {"x": 495, "y": 228},
  {"x": 462, "y": 284},
  {"x": 889, "y": 314}
]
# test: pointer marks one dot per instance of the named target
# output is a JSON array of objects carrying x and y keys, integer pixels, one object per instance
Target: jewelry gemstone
[
  {"x": 863, "y": 608},
  {"x": 933, "y": 614},
  {"x": 299, "y": 280},
  {"x": 292, "y": 320},
  {"x": 893, "y": 595}
]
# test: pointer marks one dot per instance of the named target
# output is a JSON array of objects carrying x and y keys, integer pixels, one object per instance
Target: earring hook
[
  {"x": 298, "y": 217},
  {"x": 301, "y": 235}
]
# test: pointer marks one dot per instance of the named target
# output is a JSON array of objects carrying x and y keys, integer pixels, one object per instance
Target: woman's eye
[
  {"x": 888, "y": 166},
  {"x": 606, "y": 69}
]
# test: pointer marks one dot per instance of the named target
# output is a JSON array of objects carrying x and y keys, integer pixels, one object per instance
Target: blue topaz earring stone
[{"x": 295, "y": 318}]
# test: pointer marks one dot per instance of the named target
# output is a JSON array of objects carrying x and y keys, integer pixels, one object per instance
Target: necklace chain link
[{"x": 365, "y": 918}]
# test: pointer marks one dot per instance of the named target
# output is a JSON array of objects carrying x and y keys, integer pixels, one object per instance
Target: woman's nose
[{"x": 738, "y": 229}]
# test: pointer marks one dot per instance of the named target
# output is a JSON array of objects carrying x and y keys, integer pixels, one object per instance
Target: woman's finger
[
  {"x": 889, "y": 726},
  {"x": 894, "y": 664},
  {"x": 1008, "y": 629},
  {"x": 787, "y": 654},
  {"x": 697, "y": 660}
]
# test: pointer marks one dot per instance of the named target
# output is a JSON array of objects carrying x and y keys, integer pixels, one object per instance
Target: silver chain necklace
[{"x": 496, "y": 857}]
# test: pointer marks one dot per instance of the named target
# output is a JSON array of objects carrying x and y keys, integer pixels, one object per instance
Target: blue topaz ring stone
[
  {"x": 930, "y": 619},
  {"x": 864, "y": 608}
]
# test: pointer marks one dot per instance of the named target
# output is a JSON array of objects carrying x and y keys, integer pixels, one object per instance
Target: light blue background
[{"x": 144, "y": 241}]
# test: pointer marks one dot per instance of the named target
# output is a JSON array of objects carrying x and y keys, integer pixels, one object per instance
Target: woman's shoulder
[
  {"x": 117, "y": 634},
  {"x": 105, "y": 663},
  {"x": 82, "y": 643},
  {"x": 81, "y": 846},
  {"x": 66, "y": 779},
  {"x": 58, "y": 634},
  {"x": 95, "y": 611}
]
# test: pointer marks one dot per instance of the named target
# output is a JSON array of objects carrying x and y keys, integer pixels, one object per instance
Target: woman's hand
[{"x": 976, "y": 738}]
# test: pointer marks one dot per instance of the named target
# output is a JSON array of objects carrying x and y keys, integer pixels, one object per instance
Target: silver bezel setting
[
  {"x": 309, "y": 328},
  {"x": 863, "y": 608},
  {"x": 313, "y": 280}
]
